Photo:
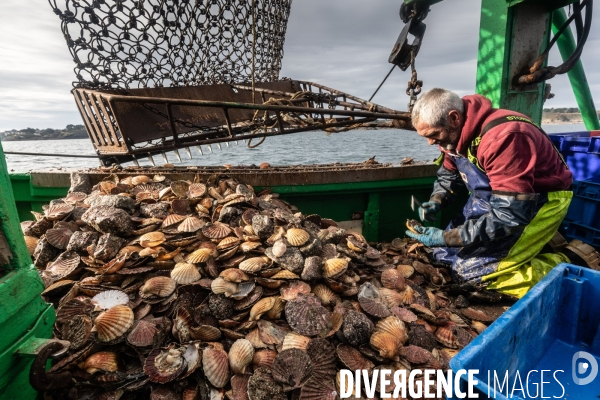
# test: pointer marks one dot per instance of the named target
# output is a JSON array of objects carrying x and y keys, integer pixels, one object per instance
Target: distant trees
[{"x": 562, "y": 110}]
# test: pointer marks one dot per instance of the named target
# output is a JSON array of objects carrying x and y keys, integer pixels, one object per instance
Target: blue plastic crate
[
  {"x": 585, "y": 206},
  {"x": 582, "y": 154},
  {"x": 544, "y": 330},
  {"x": 587, "y": 234}
]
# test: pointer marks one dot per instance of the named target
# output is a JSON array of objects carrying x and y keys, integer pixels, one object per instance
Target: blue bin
[
  {"x": 544, "y": 330},
  {"x": 582, "y": 154},
  {"x": 583, "y": 219}
]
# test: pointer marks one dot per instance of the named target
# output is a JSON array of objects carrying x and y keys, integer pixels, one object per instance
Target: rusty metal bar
[
  {"x": 86, "y": 118},
  {"x": 228, "y": 122},
  {"x": 172, "y": 123}
]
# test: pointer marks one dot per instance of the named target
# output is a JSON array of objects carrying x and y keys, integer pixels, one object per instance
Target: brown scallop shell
[
  {"x": 113, "y": 323},
  {"x": 394, "y": 326},
  {"x": 181, "y": 206},
  {"x": 172, "y": 219},
  {"x": 140, "y": 180},
  {"x": 334, "y": 267},
  {"x": 254, "y": 264},
  {"x": 58, "y": 211},
  {"x": 152, "y": 239},
  {"x": 261, "y": 386},
  {"x": 239, "y": 387},
  {"x": 391, "y": 298},
  {"x": 196, "y": 190},
  {"x": 479, "y": 327},
  {"x": 405, "y": 270},
  {"x": 293, "y": 289},
  {"x": 261, "y": 307},
  {"x": 247, "y": 247},
  {"x": 215, "y": 364},
  {"x": 75, "y": 197},
  {"x": 106, "y": 361},
  {"x": 160, "y": 286},
  {"x": 184, "y": 273},
  {"x": 322, "y": 357},
  {"x": 241, "y": 354},
  {"x": 295, "y": 341},
  {"x": 292, "y": 368},
  {"x": 142, "y": 334},
  {"x": 297, "y": 237},
  {"x": 285, "y": 274},
  {"x": 352, "y": 358},
  {"x": 65, "y": 264},
  {"x": 476, "y": 315},
  {"x": 307, "y": 316},
  {"x": 199, "y": 256},
  {"x": 228, "y": 243},
  {"x": 180, "y": 188},
  {"x": 445, "y": 335},
  {"x": 216, "y": 230},
  {"x": 77, "y": 331},
  {"x": 73, "y": 307},
  {"x": 190, "y": 224},
  {"x": 234, "y": 275},
  {"x": 59, "y": 237},
  {"x": 205, "y": 333},
  {"x": 387, "y": 344},
  {"x": 264, "y": 358},
  {"x": 371, "y": 302},
  {"x": 326, "y": 295},
  {"x": 221, "y": 286},
  {"x": 317, "y": 388},
  {"x": 392, "y": 279},
  {"x": 164, "y": 366},
  {"x": 416, "y": 355},
  {"x": 31, "y": 242}
]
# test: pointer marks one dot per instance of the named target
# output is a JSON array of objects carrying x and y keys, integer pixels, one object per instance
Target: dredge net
[{"x": 162, "y": 43}]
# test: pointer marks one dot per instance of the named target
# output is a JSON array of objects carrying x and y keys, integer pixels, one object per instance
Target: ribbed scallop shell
[
  {"x": 185, "y": 273},
  {"x": 297, "y": 237},
  {"x": 307, "y": 316},
  {"x": 172, "y": 219},
  {"x": 180, "y": 188},
  {"x": 160, "y": 286},
  {"x": 221, "y": 286},
  {"x": 262, "y": 306},
  {"x": 65, "y": 264},
  {"x": 215, "y": 364},
  {"x": 234, "y": 275},
  {"x": 391, "y": 298},
  {"x": 163, "y": 366},
  {"x": 77, "y": 331},
  {"x": 142, "y": 334},
  {"x": 113, "y": 323},
  {"x": 285, "y": 274},
  {"x": 405, "y": 270},
  {"x": 445, "y": 335},
  {"x": 479, "y": 327},
  {"x": 58, "y": 211},
  {"x": 371, "y": 302},
  {"x": 140, "y": 179},
  {"x": 253, "y": 264},
  {"x": 247, "y": 247},
  {"x": 476, "y": 315},
  {"x": 334, "y": 267},
  {"x": 31, "y": 242},
  {"x": 152, "y": 239},
  {"x": 59, "y": 237},
  {"x": 293, "y": 289},
  {"x": 264, "y": 358},
  {"x": 352, "y": 358},
  {"x": 190, "y": 224},
  {"x": 110, "y": 298},
  {"x": 392, "y": 279},
  {"x": 75, "y": 197},
  {"x": 292, "y": 368},
  {"x": 317, "y": 388},
  {"x": 326, "y": 295},
  {"x": 196, "y": 190},
  {"x": 216, "y": 230},
  {"x": 387, "y": 345},
  {"x": 416, "y": 354},
  {"x": 228, "y": 243},
  {"x": 295, "y": 341},
  {"x": 394, "y": 326},
  {"x": 205, "y": 333},
  {"x": 106, "y": 361},
  {"x": 240, "y": 355},
  {"x": 199, "y": 256}
]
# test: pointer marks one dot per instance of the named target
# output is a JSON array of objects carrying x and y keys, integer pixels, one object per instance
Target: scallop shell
[
  {"x": 387, "y": 344},
  {"x": 317, "y": 388},
  {"x": 59, "y": 237},
  {"x": 352, "y": 358},
  {"x": 228, "y": 243},
  {"x": 75, "y": 197},
  {"x": 445, "y": 335},
  {"x": 199, "y": 256},
  {"x": 292, "y": 368},
  {"x": 193, "y": 359},
  {"x": 370, "y": 300},
  {"x": 31, "y": 242},
  {"x": 106, "y": 361},
  {"x": 113, "y": 323},
  {"x": 196, "y": 190},
  {"x": 479, "y": 327},
  {"x": 205, "y": 333},
  {"x": 215, "y": 364},
  {"x": 172, "y": 219},
  {"x": 163, "y": 366},
  {"x": 264, "y": 358},
  {"x": 262, "y": 306},
  {"x": 293, "y": 289},
  {"x": 326, "y": 295},
  {"x": 392, "y": 279},
  {"x": 295, "y": 341},
  {"x": 253, "y": 264},
  {"x": 160, "y": 286},
  {"x": 261, "y": 386},
  {"x": 140, "y": 179},
  {"x": 334, "y": 267},
  {"x": 234, "y": 275},
  {"x": 142, "y": 334},
  {"x": 247, "y": 247},
  {"x": 416, "y": 355},
  {"x": 180, "y": 188},
  {"x": 391, "y": 298},
  {"x": 297, "y": 237},
  {"x": 357, "y": 327},
  {"x": 394, "y": 326},
  {"x": 405, "y": 270},
  {"x": 241, "y": 354},
  {"x": 152, "y": 239},
  {"x": 110, "y": 298},
  {"x": 307, "y": 316},
  {"x": 413, "y": 225},
  {"x": 58, "y": 211},
  {"x": 216, "y": 230},
  {"x": 77, "y": 331},
  {"x": 190, "y": 224},
  {"x": 64, "y": 265},
  {"x": 476, "y": 315},
  {"x": 184, "y": 273},
  {"x": 221, "y": 286},
  {"x": 285, "y": 274}
]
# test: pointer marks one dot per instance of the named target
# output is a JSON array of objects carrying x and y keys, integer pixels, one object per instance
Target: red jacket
[{"x": 516, "y": 156}]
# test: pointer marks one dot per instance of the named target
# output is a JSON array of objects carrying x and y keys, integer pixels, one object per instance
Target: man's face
[{"x": 444, "y": 136}]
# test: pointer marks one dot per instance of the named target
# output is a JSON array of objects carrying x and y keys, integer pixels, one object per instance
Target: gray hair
[{"x": 434, "y": 105}]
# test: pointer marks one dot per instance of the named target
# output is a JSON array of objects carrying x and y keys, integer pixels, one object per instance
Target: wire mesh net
[{"x": 161, "y": 43}]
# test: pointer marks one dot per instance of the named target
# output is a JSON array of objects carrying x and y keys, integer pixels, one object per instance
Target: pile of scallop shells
[{"x": 208, "y": 290}]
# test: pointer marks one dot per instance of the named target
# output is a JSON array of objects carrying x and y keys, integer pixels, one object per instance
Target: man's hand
[
  {"x": 432, "y": 237},
  {"x": 428, "y": 210}
]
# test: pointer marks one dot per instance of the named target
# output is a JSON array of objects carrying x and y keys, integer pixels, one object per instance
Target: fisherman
[{"x": 519, "y": 188}]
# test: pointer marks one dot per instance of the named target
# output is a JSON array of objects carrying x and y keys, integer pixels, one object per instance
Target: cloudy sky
[{"x": 343, "y": 44}]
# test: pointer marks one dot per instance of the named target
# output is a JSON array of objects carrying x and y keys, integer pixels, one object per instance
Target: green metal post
[{"x": 581, "y": 90}]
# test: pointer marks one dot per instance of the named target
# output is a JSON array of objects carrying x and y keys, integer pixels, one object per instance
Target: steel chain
[{"x": 414, "y": 85}]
